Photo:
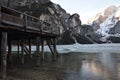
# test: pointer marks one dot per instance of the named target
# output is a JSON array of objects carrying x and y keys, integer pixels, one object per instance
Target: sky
[{"x": 85, "y": 8}]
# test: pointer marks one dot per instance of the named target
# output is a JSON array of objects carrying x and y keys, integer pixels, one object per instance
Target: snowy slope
[{"x": 109, "y": 23}]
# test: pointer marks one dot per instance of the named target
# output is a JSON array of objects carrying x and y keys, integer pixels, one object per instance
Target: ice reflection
[
  {"x": 108, "y": 61},
  {"x": 109, "y": 64},
  {"x": 103, "y": 66},
  {"x": 90, "y": 71},
  {"x": 77, "y": 66}
]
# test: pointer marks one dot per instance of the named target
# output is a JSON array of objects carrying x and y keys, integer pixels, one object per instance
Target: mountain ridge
[{"x": 105, "y": 26}]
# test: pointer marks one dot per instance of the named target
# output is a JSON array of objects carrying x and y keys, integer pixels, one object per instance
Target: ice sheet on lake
[
  {"x": 83, "y": 48},
  {"x": 89, "y": 48}
]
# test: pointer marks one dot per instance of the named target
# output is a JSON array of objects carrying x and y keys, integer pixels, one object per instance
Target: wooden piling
[
  {"x": 9, "y": 56},
  {"x": 18, "y": 49},
  {"x": 0, "y": 52},
  {"x": 22, "y": 52},
  {"x": 51, "y": 42},
  {"x": 54, "y": 45},
  {"x": 50, "y": 46},
  {"x": 0, "y": 42},
  {"x": 42, "y": 47},
  {"x": 3, "y": 54},
  {"x": 37, "y": 51},
  {"x": 30, "y": 53}
]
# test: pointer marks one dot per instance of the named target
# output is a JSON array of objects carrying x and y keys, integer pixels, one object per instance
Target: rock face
[
  {"x": 3, "y": 2},
  {"x": 115, "y": 29}
]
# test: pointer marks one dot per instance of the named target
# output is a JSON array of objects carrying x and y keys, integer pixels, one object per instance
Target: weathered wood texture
[
  {"x": 42, "y": 48},
  {"x": 51, "y": 42},
  {"x": 26, "y": 23},
  {"x": 9, "y": 56},
  {"x": 55, "y": 48},
  {"x": 50, "y": 45},
  {"x": 37, "y": 51},
  {"x": 3, "y": 54},
  {"x": 18, "y": 49},
  {"x": 22, "y": 52},
  {"x": 30, "y": 53},
  {"x": 0, "y": 50}
]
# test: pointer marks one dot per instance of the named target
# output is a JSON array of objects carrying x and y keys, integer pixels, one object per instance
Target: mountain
[
  {"x": 101, "y": 17},
  {"x": 107, "y": 24}
]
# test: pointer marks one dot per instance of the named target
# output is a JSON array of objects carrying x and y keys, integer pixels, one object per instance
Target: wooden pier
[{"x": 20, "y": 27}]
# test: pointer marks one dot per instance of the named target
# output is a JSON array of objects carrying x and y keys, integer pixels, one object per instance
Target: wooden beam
[
  {"x": 3, "y": 54},
  {"x": 25, "y": 22},
  {"x": 50, "y": 46}
]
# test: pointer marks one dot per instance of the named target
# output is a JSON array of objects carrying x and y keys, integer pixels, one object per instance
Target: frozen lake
[
  {"x": 82, "y": 48},
  {"x": 76, "y": 62}
]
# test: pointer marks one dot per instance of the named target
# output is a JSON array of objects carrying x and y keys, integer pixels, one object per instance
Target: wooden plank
[
  {"x": 3, "y": 54},
  {"x": 11, "y": 23},
  {"x": 11, "y": 20}
]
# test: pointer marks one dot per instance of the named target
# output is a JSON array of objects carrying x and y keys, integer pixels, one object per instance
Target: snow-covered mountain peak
[
  {"x": 101, "y": 16},
  {"x": 109, "y": 23},
  {"x": 118, "y": 13}
]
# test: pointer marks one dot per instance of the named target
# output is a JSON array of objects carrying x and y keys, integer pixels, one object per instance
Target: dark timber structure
[{"x": 21, "y": 27}]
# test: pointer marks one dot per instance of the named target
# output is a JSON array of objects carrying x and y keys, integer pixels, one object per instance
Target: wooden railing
[
  {"x": 26, "y": 22},
  {"x": 11, "y": 20}
]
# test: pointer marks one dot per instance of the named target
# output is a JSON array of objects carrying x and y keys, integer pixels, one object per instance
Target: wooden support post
[
  {"x": 0, "y": 15},
  {"x": 42, "y": 48},
  {"x": 0, "y": 51},
  {"x": 25, "y": 22},
  {"x": 0, "y": 40},
  {"x": 49, "y": 45},
  {"x": 55, "y": 49},
  {"x": 38, "y": 51},
  {"x": 18, "y": 49},
  {"x": 3, "y": 54},
  {"x": 22, "y": 52},
  {"x": 9, "y": 56},
  {"x": 30, "y": 53}
]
